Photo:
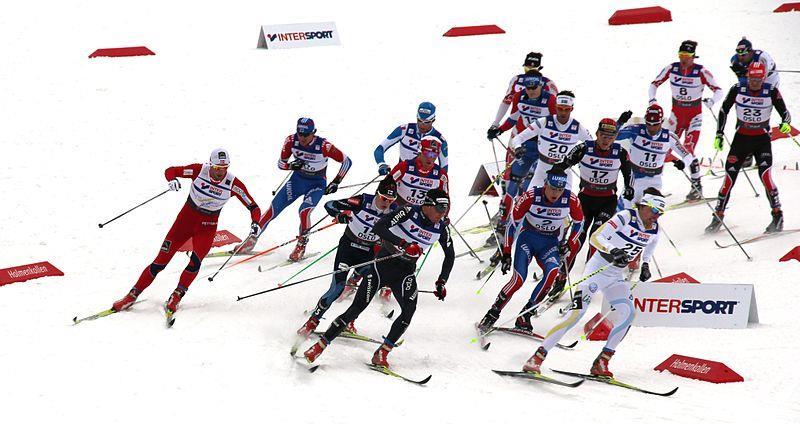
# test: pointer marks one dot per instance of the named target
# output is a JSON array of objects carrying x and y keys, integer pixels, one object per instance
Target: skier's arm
[
  {"x": 449, "y": 252},
  {"x": 780, "y": 106},
  {"x": 521, "y": 207},
  {"x": 708, "y": 79},
  {"x": 286, "y": 154},
  {"x": 530, "y": 132},
  {"x": 648, "y": 251},
  {"x": 625, "y": 167},
  {"x": 576, "y": 213},
  {"x": 443, "y": 154},
  {"x": 398, "y": 171},
  {"x": 240, "y": 191},
  {"x": 335, "y": 207},
  {"x": 651, "y": 91},
  {"x": 573, "y": 157},
  {"x": 600, "y": 238},
  {"x": 381, "y": 227},
  {"x": 330, "y": 151},
  {"x": 506, "y": 103},
  {"x": 514, "y": 116},
  {"x": 725, "y": 108},
  {"x": 188, "y": 171}
]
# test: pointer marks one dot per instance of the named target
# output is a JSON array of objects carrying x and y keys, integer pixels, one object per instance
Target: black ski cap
[
  {"x": 533, "y": 60},
  {"x": 688, "y": 46},
  {"x": 437, "y": 198},
  {"x": 388, "y": 187}
]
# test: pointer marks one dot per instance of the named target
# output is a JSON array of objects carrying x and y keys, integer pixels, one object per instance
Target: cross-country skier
[
  {"x": 212, "y": 187},
  {"x": 540, "y": 216},
  {"x": 409, "y": 136},
  {"x": 687, "y": 80},
  {"x": 308, "y": 180},
  {"x": 410, "y": 230},
  {"x": 754, "y": 102},
  {"x": 532, "y": 63},
  {"x": 623, "y": 237},
  {"x": 649, "y": 145},
  {"x": 415, "y": 176},
  {"x": 746, "y": 55},
  {"x": 358, "y": 243}
]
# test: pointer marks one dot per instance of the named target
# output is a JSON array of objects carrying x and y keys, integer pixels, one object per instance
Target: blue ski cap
[
  {"x": 531, "y": 81},
  {"x": 426, "y": 112},
  {"x": 305, "y": 126},
  {"x": 557, "y": 179}
]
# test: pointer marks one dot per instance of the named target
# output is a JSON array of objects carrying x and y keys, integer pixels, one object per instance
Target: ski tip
[
  {"x": 428, "y": 378},
  {"x": 390, "y": 314},
  {"x": 671, "y": 392},
  {"x": 313, "y": 369},
  {"x": 486, "y": 346},
  {"x": 571, "y": 345},
  {"x": 75, "y": 320}
]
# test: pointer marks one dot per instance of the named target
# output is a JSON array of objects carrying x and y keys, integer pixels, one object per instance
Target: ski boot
[
  {"x": 488, "y": 320},
  {"x": 523, "y": 322},
  {"x": 351, "y": 327},
  {"x": 534, "y": 364},
  {"x": 308, "y": 327},
  {"x": 126, "y": 301},
  {"x": 696, "y": 193},
  {"x": 174, "y": 299},
  {"x": 716, "y": 222},
  {"x": 558, "y": 287},
  {"x": 776, "y": 225},
  {"x": 350, "y": 287},
  {"x": 386, "y": 294},
  {"x": 600, "y": 365},
  {"x": 379, "y": 357},
  {"x": 315, "y": 350},
  {"x": 247, "y": 246},
  {"x": 299, "y": 249}
]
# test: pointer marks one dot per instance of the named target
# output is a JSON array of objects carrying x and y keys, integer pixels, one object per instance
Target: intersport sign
[
  {"x": 292, "y": 36},
  {"x": 693, "y": 305}
]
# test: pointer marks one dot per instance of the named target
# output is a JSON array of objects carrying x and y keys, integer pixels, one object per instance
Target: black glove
[
  {"x": 343, "y": 218},
  {"x": 644, "y": 274},
  {"x": 739, "y": 69},
  {"x": 296, "y": 165},
  {"x": 493, "y": 132},
  {"x": 575, "y": 155},
  {"x": 623, "y": 118},
  {"x": 619, "y": 257},
  {"x": 254, "y": 229},
  {"x": 627, "y": 194},
  {"x": 441, "y": 291},
  {"x": 520, "y": 152},
  {"x": 563, "y": 249},
  {"x": 332, "y": 187},
  {"x": 679, "y": 164},
  {"x": 505, "y": 263},
  {"x": 384, "y": 169}
]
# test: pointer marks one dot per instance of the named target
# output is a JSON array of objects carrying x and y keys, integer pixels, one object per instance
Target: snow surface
[{"x": 86, "y": 139}]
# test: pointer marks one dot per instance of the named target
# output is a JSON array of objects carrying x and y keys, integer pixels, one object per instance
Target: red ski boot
[
  {"x": 379, "y": 357},
  {"x": 299, "y": 249},
  {"x": 126, "y": 301},
  {"x": 386, "y": 294},
  {"x": 535, "y": 362},
  {"x": 351, "y": 327},
  {"x": 600, "y": 365},
  {"x": 315, "y": 350},
  {"x": 247, "y": 245},
  {"x": 174, "y": 299},
  {"x": 308, "y": 327}
]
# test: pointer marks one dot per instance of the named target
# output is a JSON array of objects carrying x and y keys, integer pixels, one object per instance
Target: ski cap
[
  {"x": 756, "y": 70},
  {"x": 388, "y": 187},
  {"x": 654, "y": 115},
  {"x": 608, "y": 126},
  {"x": 565, "y": 99},
  {"x": 438, "y": 199},
  {"x": 533, "y": 60},
  {"x": 532, "y": 81},
  {"x": 688, "y": 47},
  {"x": 430, "y": 146},
  {"x": 426, "y": 112},
  {"x": 556, "y": 178},
  {"x": 658, "y": 203},
  {"x": 744, "y": 46},
  {"x": 220, "y": 158},
  {"x": 305, "y": 126}
]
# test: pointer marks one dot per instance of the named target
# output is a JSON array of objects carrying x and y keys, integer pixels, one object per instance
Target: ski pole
[
  {"x": 488, "y": 277},
  {"x": 658, "y": 268},
  {"x": 238, "y": 298},
  {"x": 286, "y": 178},
  {"x": 471, "y": 251},
  {"x": 359, "y": 191},
  {"x": 723, "y": 223},
  {"x": 309, "y": 265},
  {"x": 488, "y": 215},
  {"x": 731, "y": 144},
  {"x": 489, "y": 187},
  {"x": 663, "y": 230},
  {"x": 356, "y": 185},
  {"x": 425, "y": 258},
  {"x": 238, "y": 248},
  {"x": 532, "y": 308},
  {"x": 786, "y": 70},
  {"x": 129, "y": 210}
]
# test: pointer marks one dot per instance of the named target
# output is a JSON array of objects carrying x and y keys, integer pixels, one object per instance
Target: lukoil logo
[{"x": 686, "y": 306}]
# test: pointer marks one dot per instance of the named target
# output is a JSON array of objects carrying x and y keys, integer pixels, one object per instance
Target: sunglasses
[
  {"x": 656, "y": 211},
  {"x": 685, "y": 54},
  {"x": 386, "y": 198},
  {"x": 425, "y": 121},
  {"x": 219, "y": 167},
  {"x": 429, "y": 154},
  {"x": 440, "y": 207},
  {"x": 742, "y": 52}
]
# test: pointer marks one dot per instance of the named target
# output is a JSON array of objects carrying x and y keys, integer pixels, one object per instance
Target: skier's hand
[
  {"x": 441, "y": 291},
  {"x": 412, "y": 249},
  {"x": 739, "y": 69},
  {"x": 563, "y": 249},
  {"x": 174, "y": 184},
  {"x": 718, "y": 142},
  {"x": 343, "y": 218},
  {"x": 505, "y": 263},
  {"x": 679, "y": 164},
  {"x": 520, "y": 152},
  {"x": 627, "y": 194},
  {"x": 384, "y": 169},
  {"x": 619, "y": 257},
  {"x": 255, "y": 229},
  {"x": 493, "y": 132},
  {"x": 709, "y": 102},
  {"x": 785, "y": 128},
  {"x": 332, "y": 187},
  {"x": 296, "y": 165},
  {"x": 644, "y": 274},
  {"x": 626, "y": 116}
]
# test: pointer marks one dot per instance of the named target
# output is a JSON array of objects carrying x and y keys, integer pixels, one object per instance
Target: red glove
[
  {"x": 412, "y": 249},
  {"x": 441, "y": 291}
]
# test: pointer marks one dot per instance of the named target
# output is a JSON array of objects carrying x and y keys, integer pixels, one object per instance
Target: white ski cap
[
  {"x": 565, "y": 100},
  {"x": 654, "y": 201},
  {"x": 220, "y": 157}
]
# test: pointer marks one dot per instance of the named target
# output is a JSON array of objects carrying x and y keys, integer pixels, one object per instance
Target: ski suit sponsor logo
[
  {"x": 422, "y": 233},
  {"x": 687, "y": 306}
]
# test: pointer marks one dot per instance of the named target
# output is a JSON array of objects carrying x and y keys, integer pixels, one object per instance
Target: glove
[
  {"x": 493, "y": 132},
  {"x": 520, "y": 152},
  {"x": 679, "y": 164},
  {"x": 332, "y": 187},
  {"x": 708, "y": 101},
  {"x": 644, "y": 274},
  {"x": 739, "y": 69},
  {"x": 413, "y": 250},
  {"x": 651, "y": 102},
  {"x": 718, "y": 142},
  {"x": 255, "y": 229},
  {"x": 563, "y": 249},
  {"x": 343, "y": 218},
  {"x": 296, "y": 165},
  {"x": 384, "y": 169},
  {"x": 785, "y": 128},
  {"x": 174, "y": 184},
  {"x": 627, "y": 194},
  {"x": 440, "y": 291},
  {"x": 505, "y": 263},
  {"x": 625, "y": 116},
  {"x": 619, "y": 257}
]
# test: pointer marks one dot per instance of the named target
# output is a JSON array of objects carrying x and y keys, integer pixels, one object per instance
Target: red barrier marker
[
  {"x": 680, "y": 277},
  {"x": 28, "y": 272},
  {"x": 221, "y": 238},
  {"x": 473, "y": 30},
  {"x": 792, "y": 254},
  {"x": 122, "y": 52},
  {"x": 643, "y": 15},
  {"x": 600, "y": 332},
  {"x": 776, "y": 134},
  {"x": 788, "y": 7},
  {"x": 699, "y": 369}
]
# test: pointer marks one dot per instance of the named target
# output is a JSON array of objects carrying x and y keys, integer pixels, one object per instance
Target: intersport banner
[
  {"x": 693, "y": 305},
  {"x": 292, "y": 36}
]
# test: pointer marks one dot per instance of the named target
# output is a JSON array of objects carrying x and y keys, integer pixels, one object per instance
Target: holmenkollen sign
[
  {"x": 693, "y": 305},
  {"x": 292, "y": 36}
]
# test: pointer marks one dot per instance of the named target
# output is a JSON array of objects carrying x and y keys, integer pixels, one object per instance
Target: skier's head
[
  {"x": 744, "y": 50},
  {"x": 532, "y": 81},
  {"x": 653, "y": 117},
  {"x": 756, "y": 73},
  {"x": 651, "y": 206},
  {"x": 426, "y": 114},
  {"x": 305, "y": 130},
  {"x": 687, "y": 52},
  {"x": 435, "y": 205},
  {"x": 606, "y": 133},
  {"x": 533, "y": 62},
  {"x": 554, "y": 184},
  {"x": 565, "y": 100},
  {"x": 386, "y": 193},
  {"x": 219, "y": 162},
  {"x": 430, "y": 147}
]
